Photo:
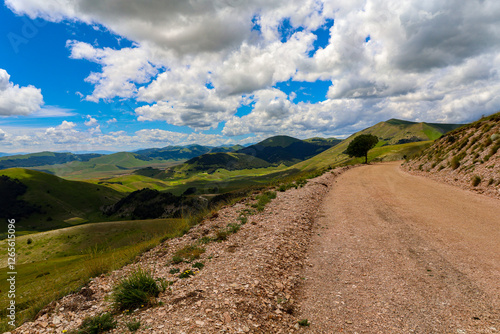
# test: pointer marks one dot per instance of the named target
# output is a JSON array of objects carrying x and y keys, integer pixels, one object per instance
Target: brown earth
[{"x": 397, "y": 253}]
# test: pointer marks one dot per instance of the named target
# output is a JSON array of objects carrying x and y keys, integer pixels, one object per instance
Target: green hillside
[
  {"x": 468, "y": 155},
  {"x": 62, "y": 202},
  {"x": 397, "y": 138}
]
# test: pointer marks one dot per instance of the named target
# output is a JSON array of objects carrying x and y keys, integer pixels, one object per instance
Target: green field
[{"x": 62, "y": 261}]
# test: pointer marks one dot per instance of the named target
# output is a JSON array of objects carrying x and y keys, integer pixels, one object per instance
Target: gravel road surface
[{"x": 397, "y": 253}]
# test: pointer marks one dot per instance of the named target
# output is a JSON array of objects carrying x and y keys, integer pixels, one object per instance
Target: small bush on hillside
[
  {"x": 133, "y": 325},
  {"x": 136, "y": 291},
  {"x": 98, "y": 324},
  {"x": 490, "y": 182},
  {"x": 303, "y": 322},
  {"x": 476, "y": 180},
  {"x": 494, "y": 149}
]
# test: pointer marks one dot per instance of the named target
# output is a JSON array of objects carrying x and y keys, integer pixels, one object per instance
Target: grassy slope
[
  {"x": 60, "y": 199},
  {"x": 471, "y": 150},
  {"x": 61, "y": 261}
]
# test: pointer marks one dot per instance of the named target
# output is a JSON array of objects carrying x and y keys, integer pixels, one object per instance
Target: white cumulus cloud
[{"x": 15, "y": 100}]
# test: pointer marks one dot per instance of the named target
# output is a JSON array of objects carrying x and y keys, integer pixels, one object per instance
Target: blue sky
[{"x": 85, "y": 76}]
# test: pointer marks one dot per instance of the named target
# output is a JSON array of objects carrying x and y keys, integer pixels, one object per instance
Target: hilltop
[
  {"x": 468, "y": 157},
  {"x": 397, "y": 139}
]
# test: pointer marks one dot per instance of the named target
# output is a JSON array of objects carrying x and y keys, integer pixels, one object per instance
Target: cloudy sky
[{"x": 85, "y": 75}]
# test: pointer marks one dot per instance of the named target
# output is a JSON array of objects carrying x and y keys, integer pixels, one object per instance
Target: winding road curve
[{"x": 397, "y": 253}]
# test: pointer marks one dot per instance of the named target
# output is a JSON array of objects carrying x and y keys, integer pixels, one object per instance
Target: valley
[{"x": 94, "y": 216}]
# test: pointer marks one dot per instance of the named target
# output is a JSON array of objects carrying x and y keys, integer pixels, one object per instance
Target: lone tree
[{"x": 360, "y": 146}]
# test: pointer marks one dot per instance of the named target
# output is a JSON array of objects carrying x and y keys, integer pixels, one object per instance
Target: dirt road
[{"x": 396, "y": 253}]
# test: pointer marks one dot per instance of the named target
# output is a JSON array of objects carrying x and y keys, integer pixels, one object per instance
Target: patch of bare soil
[
  {"x": 397, "y": 253},
  {"x": 246, "y": 286}
]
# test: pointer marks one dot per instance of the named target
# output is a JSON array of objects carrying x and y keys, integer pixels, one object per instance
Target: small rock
[
  {"x": 200, "y": 323},
  {"x": 227, "y": 317}
]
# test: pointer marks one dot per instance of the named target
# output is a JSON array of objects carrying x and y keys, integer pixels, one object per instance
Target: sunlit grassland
[{"x": 55, "y": 263}]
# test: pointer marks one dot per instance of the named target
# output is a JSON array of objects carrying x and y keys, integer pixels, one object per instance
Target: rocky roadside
[
  {"x": 247, "y": 285},
  {"x": 461, "y": 179}
]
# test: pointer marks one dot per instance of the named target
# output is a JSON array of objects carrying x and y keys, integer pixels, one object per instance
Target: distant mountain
[
  {"x": 184, "y": 152},
  {"x": 6, "y": 154},
  {"x": 53, "y": 201},
  {"x": 288, "y": 150},
  {"x": 210, "y": 162},
  {"x": 43, "y": 158}
]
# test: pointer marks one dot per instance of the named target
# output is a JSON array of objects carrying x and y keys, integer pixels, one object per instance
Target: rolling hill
[
  {"x": 397, "y": 139},
  {"x": 210, "y": 162},
  {"x": 103, "y": 166},
  {"x": 468, "y": 156},
  {"x": 287, "y": 150},
  {"x": 61, "y": 202}
]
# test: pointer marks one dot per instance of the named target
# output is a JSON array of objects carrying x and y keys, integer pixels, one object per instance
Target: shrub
[
  {"x": 243, "y": 220},
  {"x": 97, "y": 324},
  {"x": 29, "y": 241},
  {"x": 490, "y": 182},
  {"x": 476, "y": 180},
  {"x": 136, "y": 291},
  {"x": 133, "y": 325}
]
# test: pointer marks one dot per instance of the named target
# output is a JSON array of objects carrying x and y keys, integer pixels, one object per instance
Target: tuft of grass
[
  {"x": 476, "y": 180},
  {"x": 98, "y": 324},
  {"x": 264, "y": 199},
  {"x": 243, "y": 220},
  {"x": 174, "y": 271},
  {"x": 198, "y": 265},
  {"x": 188, "y": 253},
  {"x": 303, "y": 322},
  {"x": 96, "y": 264},
  {"x": 133, "y": 325},
  {"x": 135, "y": 291},
  {"x": 223, "y": 233}
]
